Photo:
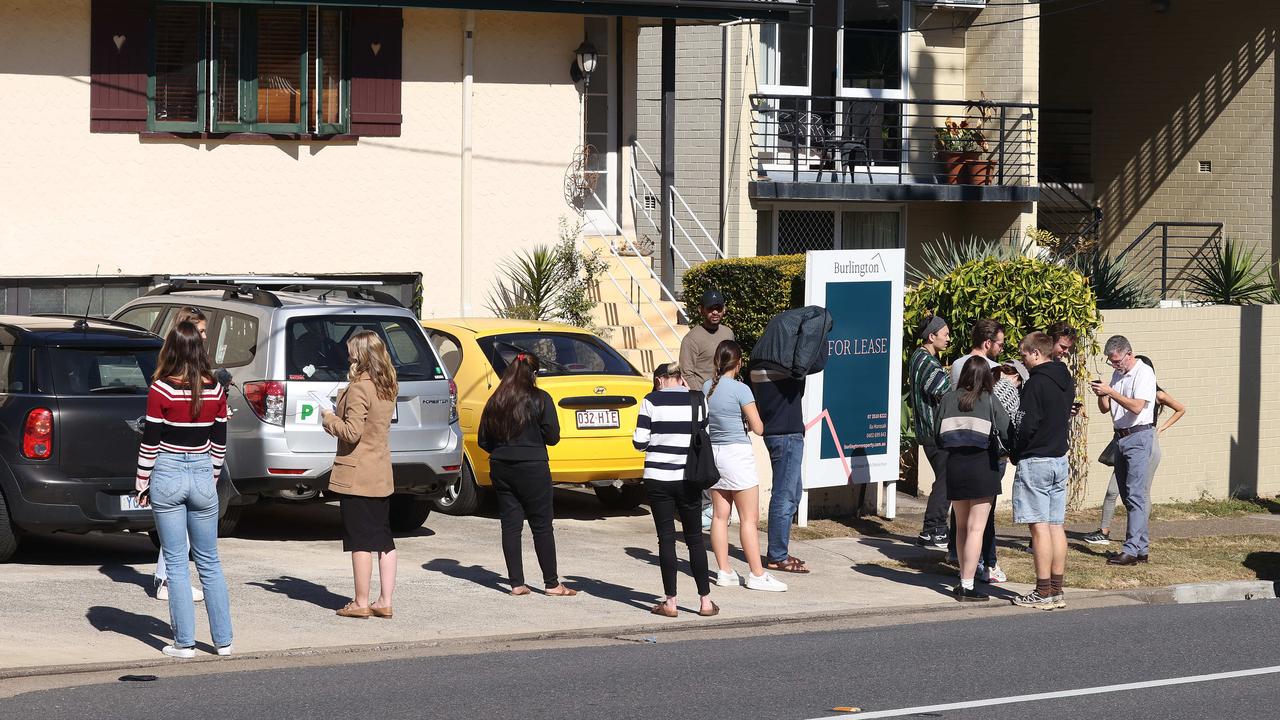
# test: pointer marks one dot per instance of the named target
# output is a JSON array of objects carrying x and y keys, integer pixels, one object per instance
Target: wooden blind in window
[
  {"x": 178, "y": 41},
  {"x": 324, "y": 47},
  {"x": 226, "y": 52},
  {"x": 374, "y": 54},
  {"x": 280, "y": 83},
  {"x": 118, "y": 59}
]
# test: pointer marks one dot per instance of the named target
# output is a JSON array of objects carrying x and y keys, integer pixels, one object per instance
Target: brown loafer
[
  {"x": 664, "y": 611},
  {"x": 352, "y": 610},
  {"x": 381, "y": 612},
  {"x": 715, "y": 610}
]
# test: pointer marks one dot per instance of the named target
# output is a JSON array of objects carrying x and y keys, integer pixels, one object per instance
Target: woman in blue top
[{"x": 731, "y": 411}]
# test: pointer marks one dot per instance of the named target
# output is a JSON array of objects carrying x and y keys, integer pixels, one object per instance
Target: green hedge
[{"x": 755, "y": 289}]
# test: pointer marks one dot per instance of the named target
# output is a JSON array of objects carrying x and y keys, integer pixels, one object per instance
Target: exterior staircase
[{"x": 641, "y": 322}]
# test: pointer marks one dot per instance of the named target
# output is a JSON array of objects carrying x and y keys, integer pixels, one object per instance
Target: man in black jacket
[{"x": 1040, "y": 482}]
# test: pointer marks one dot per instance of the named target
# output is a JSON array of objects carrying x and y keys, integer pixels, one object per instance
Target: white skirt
[{"x": 737, "y": 466}]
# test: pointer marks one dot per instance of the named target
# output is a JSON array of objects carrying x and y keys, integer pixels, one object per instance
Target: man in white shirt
[
  {"x": 987, "y": 342},
  {"x": 1131, "y": 400}
]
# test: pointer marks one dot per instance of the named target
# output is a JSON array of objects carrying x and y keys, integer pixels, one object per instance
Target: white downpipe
[{"x": 468, "y": 74}]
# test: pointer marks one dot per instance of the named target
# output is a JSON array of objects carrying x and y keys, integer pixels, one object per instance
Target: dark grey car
[{"x": 73, "y": 393}]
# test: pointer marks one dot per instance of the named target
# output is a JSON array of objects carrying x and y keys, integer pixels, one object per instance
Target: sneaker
[
  {"x": 224, "y": 651},
  {"x": 177, "y": 652},
  {"x": 1059, "y": 601},
  {"x": 964, "y": 595},
  {"x": 925, "y": 538},
  {"x": 1034, "y": 599},
  {"x": 162, "y": 592},
  {"x": 1097, "y": 537},
  {"x": 939, "y": 540},
  {"x": 727, "y": 579},
  {"x": 991, "y": 574},
  {"x": 765, "y": 582}
]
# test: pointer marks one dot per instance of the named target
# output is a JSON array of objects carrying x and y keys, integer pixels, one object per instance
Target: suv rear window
[
  {"x": 317, "y": 347},
  {"x": 88, "y": 371},
  {"x": 557, "y": 353}
]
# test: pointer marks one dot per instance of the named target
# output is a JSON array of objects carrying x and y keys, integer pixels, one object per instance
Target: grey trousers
[
  {"x": 1134, "y": 481},
  {"x": 1113, "y": 489}
]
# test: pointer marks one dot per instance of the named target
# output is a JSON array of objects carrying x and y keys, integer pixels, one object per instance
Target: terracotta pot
[
  {"x": 953, "y": 166},
  {"x": 978, "y": 172}
]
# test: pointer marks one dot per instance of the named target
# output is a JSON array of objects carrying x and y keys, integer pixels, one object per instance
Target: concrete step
[
  {"x": 644, "y": 360},
  {"x": 662, "y": 317},
  {"x": 636, "y": 336}
]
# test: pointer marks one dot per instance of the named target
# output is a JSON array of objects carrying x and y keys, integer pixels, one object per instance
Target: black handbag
[
  {"x": 1108, "y": 456},
  {"x": 700, "y": 468}
]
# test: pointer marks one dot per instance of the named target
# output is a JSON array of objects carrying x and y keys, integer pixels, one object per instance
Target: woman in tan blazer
[{"x": 361, "y": 422}]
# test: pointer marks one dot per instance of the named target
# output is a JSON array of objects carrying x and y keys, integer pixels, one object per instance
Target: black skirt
[
  {"x": 366, "y": 524},
  {"x": 972, "y": 474}
]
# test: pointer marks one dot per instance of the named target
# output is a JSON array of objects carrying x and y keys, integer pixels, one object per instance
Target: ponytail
[{"x": 728, "y": 355}]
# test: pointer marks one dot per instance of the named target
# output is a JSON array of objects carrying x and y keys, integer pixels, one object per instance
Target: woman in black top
[{"x": 517, "y": 425}]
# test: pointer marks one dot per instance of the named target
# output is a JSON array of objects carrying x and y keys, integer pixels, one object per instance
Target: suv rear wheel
[
  {"x": 408, "y": 512},
  {"x": 229, "y": 520},
  {"x": 462, "y": 496},
  {"x": 627, "y": 497},
  {"x": 8, "y": 536}
]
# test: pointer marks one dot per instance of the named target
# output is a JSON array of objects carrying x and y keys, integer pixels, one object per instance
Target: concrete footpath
[{"x": 70, "y": 600}]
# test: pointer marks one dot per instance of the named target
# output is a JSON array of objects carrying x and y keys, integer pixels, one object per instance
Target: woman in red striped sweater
[{"x": 182, "y": 449}]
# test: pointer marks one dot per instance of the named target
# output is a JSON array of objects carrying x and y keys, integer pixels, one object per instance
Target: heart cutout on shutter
[
  {"x": 119, "y": 41},
  {"x": 376, "y": 47}
]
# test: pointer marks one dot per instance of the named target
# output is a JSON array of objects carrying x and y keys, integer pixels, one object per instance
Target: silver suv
[{"x": 281, "y": 346}]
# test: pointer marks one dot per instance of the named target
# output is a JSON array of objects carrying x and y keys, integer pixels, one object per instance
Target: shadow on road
[
  {"x": 647, "y": 555},
  {"x": 1265, "y": 564},
  {"x": 611, "y": 591},
  {"x": 938, "y": 583},
  {"x": 300, "y": 521},
  {"x": 129, "y": 575},
  {"x": 304, "y": 590},
  {"x": 143, "y": 628},
  {"x": 477, "y": 574},
  {"x": 90, "y": 549}
]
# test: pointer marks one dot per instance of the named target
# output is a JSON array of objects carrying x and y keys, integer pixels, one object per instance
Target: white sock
[{"x": 966, "y": 583}]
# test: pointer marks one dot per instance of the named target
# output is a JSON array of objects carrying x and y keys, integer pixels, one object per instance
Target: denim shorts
[{"x": 1040, "y": 491}]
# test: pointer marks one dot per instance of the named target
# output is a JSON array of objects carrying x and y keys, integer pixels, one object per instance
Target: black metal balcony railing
[
  {"x": 1167, "y": 254},
  {"x": 799, "y": 138}
]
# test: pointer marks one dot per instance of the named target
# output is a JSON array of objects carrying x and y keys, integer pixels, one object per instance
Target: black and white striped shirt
[{"x": 664, "y": 431}]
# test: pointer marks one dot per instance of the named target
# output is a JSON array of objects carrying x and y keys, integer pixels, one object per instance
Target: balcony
[{"x": 815, "y": 148}]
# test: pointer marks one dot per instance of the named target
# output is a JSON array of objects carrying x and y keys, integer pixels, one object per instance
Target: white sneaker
[
  {"x": 177, "y": 652},
  {"x": 162, "y": 592},
  {"x": 728, "y": 579},
  {"x": 765, "y": 582},
  {"x": 992, "y": 574},
  {"x": 224, "y": 651}
]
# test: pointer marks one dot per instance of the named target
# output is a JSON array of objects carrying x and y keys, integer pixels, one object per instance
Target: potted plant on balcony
[
  {"x": 979, "y": 170},
  {"x": 958, "y": 144}
]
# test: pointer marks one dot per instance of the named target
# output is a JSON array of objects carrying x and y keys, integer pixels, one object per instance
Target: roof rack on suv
[
  {"x": 351, "y": 290},
  {"x": 245, "y": 291}
]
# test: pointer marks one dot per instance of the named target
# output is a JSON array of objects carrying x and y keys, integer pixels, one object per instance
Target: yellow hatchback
[{"x": 596, "y": 390}]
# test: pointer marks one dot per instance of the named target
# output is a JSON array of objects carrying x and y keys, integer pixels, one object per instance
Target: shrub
[
  {"x": 1114, "y": 287},
  {"x": 755, "y": 289},
  {"x": 1230, "y": 275},
  {"x": 940, "y": 258},
  {"x": 549, "y": 282}
]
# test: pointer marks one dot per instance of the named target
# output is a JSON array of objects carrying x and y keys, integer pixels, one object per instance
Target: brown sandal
[
  {"x": 664, "y": 611},
  {"x": 381, "y": 612},
  {"x": 715, "y": 610},
  {"x": 352, "y": 610},
  {"x": 790, "y": 565},
  {"x": 520, "y": 590},
  {"x": 564, "y": 591}
]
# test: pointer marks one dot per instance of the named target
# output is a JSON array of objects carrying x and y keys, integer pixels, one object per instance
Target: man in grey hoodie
[{"x": 1040, "y": 483}]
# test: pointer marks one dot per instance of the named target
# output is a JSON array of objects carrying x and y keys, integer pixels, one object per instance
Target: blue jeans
[
  {"x": 1134, "y": 479},
  {"x": 785, "y": 454},
  {"x": 184, "y": 499}
]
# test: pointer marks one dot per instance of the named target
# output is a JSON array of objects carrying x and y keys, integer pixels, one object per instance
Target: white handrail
[
  {"x": 661, "y": 287},
  {"x": 675, "y": 221},
  {"x": 715, "y": 244},
  {"x": 623, "y": 293}
]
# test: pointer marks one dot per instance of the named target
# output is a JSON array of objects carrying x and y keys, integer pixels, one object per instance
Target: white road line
[{"x": 901, "y": 712}]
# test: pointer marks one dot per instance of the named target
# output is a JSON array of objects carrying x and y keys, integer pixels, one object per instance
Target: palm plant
[
  {"x": 527, "y": 286},
  {"x": 1113, "y": 286},
  {"x": 1231, "y": 275},
  {"x": 940, "y": 258}
]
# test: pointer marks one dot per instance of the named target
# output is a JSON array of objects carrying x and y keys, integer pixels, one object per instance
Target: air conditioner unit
[{"x": 954, "y": 4}]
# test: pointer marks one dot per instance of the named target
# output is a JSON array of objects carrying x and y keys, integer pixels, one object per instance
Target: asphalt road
[{"x": 792, "y": 676}]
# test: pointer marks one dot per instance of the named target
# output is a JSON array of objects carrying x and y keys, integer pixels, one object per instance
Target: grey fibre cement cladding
[{"x": 796, "y": 676}]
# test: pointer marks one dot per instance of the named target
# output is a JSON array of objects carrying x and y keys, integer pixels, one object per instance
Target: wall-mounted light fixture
[{"x": 584, "y": 63}]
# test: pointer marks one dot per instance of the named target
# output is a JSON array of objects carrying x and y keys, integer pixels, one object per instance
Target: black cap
[{"x": 712, "y": 298}]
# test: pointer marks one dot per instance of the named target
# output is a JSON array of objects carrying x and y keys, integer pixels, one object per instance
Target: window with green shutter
[{"x": 276, "y": 69}]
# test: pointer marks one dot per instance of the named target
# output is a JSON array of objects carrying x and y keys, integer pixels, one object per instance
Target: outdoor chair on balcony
[{"x": 841, "y": 146}]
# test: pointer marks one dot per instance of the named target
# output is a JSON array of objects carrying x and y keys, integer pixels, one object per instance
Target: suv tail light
[
  {"x": 453, "y": 402},
  {"x": 37, "y": 435},
  {"x": 266, "y": 397}
]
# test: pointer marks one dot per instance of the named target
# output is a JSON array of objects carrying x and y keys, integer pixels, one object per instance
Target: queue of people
[{"x": 982, "y": 413}]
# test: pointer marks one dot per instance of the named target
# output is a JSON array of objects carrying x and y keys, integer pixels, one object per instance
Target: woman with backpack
[
  {"x": 669, "y": 418},
  {"x": 517, "y": 424},
  {"x": 731, "y": 412},
  {"x": 973, "y": 428}
]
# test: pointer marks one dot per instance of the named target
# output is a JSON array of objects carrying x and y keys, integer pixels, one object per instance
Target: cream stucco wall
[{"x": 140, "y": 206}]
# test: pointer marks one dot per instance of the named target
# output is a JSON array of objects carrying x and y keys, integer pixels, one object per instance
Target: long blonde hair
[{"x": 371, "y": 357}]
